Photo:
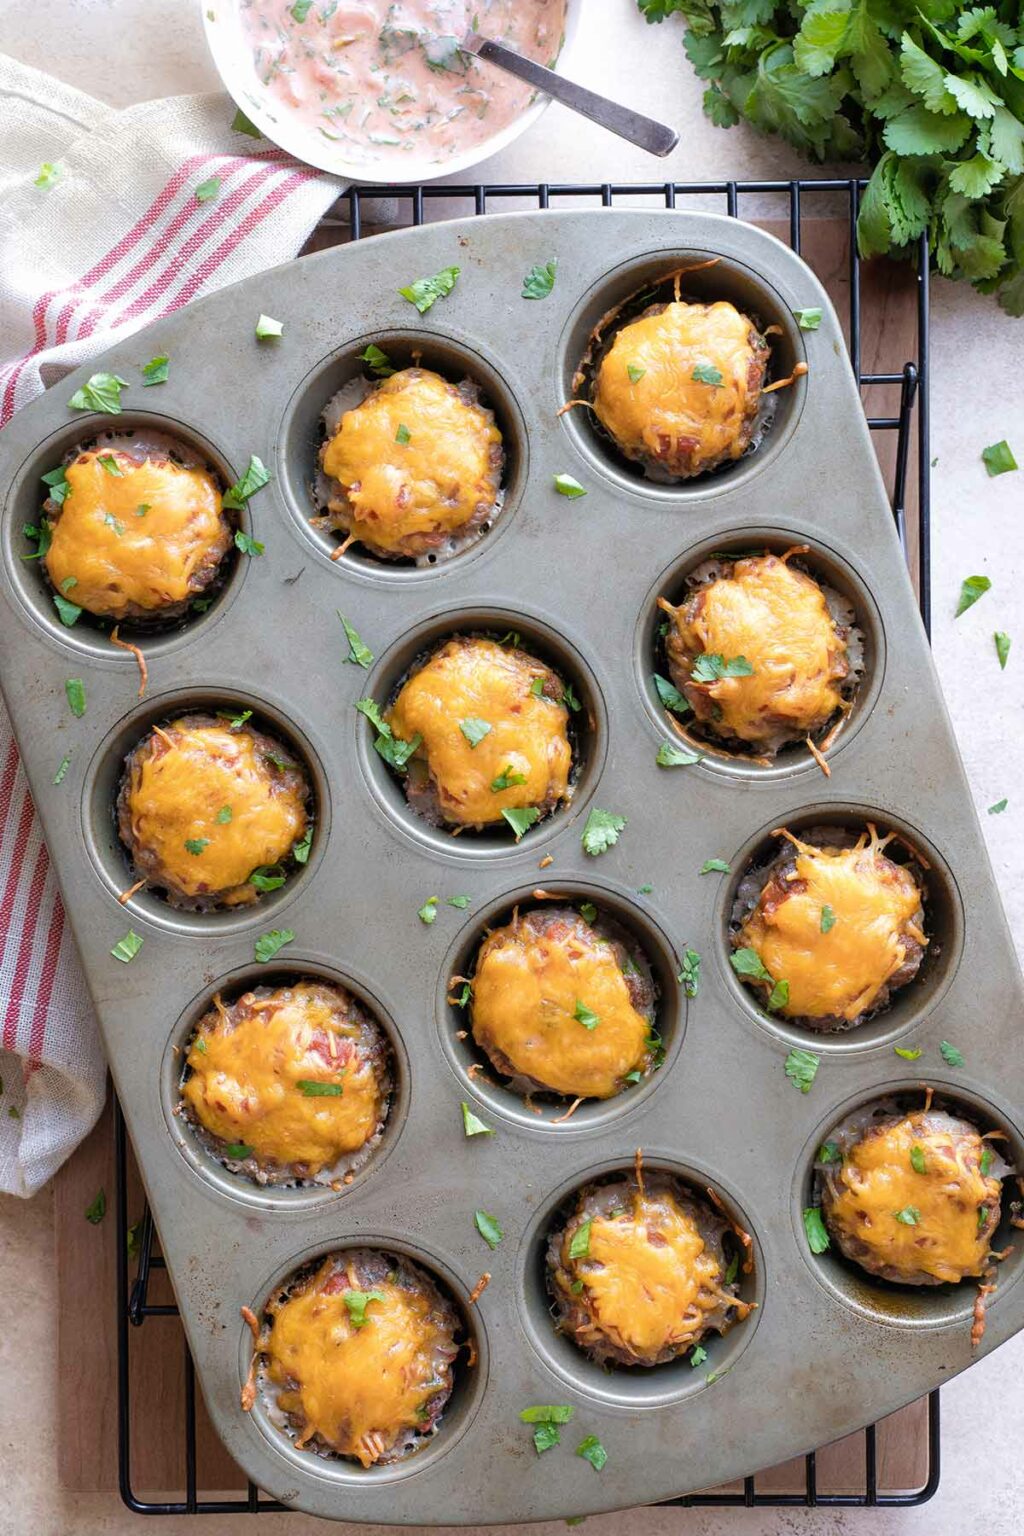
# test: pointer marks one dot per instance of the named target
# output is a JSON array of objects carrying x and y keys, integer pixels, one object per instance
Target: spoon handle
[{"x": 656, "y": 138}]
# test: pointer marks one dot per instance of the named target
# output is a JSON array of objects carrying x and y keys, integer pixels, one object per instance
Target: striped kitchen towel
[{"x": 100, "y": 233}]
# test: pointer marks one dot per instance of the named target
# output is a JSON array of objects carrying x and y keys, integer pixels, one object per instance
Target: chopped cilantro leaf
[
  {"x": 428, "y": 912},
  {"x": 698, "y": 1355},
  {"x": 521, "y": 819},
  {"x": 65, "y": 763},
  {"x": 358, "y": 653},
  {"x": 459, "y": 902},
  {"x": 998, "y": 458},
  {"x": 48, "y": 175},
  {"x": 545, "y": 1436},
  {"x": 910, "y": 1216},
  {"x": 671, "y": 756},
  {"x": 714, "y": 867},
  {"x": 540, "y": 280},
  {"x": 69, "y": 612},
  {"x": 471, "y": 1125},
  {"x": 808, "y": 319},
  {"x": 908, "y": 1052},
  {"x": 127, "y": 948},
  {"x": 95, "y": 1212},
  {"x": 998, "y": 808},
  {"x": 254, "y": 479},
  {"x": 300, "y": 850},
  {"x": 689, "y": 973},
  {"x": 377, "y": 361},
  {"x": 403, "y": 435},
  {"x": 950, "y": 1055},
  {"x": 267, "y": 328},
  {"x": 207, "y": 190},
  {"x": 670, "y": 696},
  {"x": 829, "y": 1152},
  {"x": 1003, "y": 643},
  {"x": 100, "y": 392},
  {"x": 268, "y": 944},
  {"x": 802, "y": 1069},
  {"x": 814, "y": 1226},
  {"x": 507, "y": 779},
  {"x": 710, "y": 667},
  {"x": 425, "y": 291},
  {"x": 917, "y": 1159},
  {"x": 706, "y": 373},
  {"x": 585, "y": 1016},
  {"x": 237, "y": 1151},
  {"x": 747, "y": 962},
  {"x": 566, "y": 485},
  {"x": 74, "y": 688},
  {"x": 588, "y": 912},
  {"x": 591, "y": 1449},
  {"x": 314, "y": 1088},
  {"x": 635, "y": 372},
  {"x": 356, "y": 1303},
  {"x": 489, "y": 1228},
  {"x": 59, "y": 486},
  {"x": 828, "y": 919},
  {"x": 155, "y": 371},
  {"x": 268, "y": 877},
  {"x": 195, "y": 845},
  {"x": 241, "y": 124},
  {"x": 579, "y": 1243},
  {"x": 601, "y": 831},
  {"x": 474, "y": 729},
  {"x": 971, "y": 588},
  {"x": 247, "y": 544}
]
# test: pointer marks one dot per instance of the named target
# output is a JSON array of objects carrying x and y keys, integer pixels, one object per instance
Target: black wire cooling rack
[{"x": 789, "y": 204}]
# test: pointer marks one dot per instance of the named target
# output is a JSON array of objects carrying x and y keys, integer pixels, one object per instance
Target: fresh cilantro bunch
[{"x": 931, "y": 94}]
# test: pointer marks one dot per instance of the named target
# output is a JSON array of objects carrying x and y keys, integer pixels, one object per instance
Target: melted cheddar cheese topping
[
  {"x": 358, "y": 1388},
  {"x": 528, "y": 738},
  {"x": 116, "y": 557},
  {"x": 665, "y": 413},
  {"x": 839, "y": 973},
  {"x": 525, "y": 994},
  {"x": 415, "y": 459},
  {"x": 778, "y": 619},
  {"x": 649, "y": 1295},
  {"x": 247, "y": 1065},
  {"x": 177, "y": 790},
  {"x": 951, "y": 1200}
]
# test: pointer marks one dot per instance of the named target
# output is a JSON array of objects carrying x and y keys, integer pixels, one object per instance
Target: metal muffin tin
[{"x": 827, "y": 1349}]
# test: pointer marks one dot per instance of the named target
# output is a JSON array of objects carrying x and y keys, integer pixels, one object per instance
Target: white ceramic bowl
[{"x": 232, "y": 56}]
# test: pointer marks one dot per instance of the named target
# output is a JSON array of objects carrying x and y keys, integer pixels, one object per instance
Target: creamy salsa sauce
[{"x": 385, "y": 78}]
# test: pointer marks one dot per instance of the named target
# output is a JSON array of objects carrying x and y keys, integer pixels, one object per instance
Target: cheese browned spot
[
  {"x": 474, "y": 679},
  {"x": 139, "y": 541},
  {"x": 531, "y": 977},
  {"x": 365, "y": 1377},
  {"x": 252, "y": 1063},
  {"x": 777, "y": 619},
  {"x": 178, "y": 782},
  {"x": 875, "y": 940},
  {"x": 417, "y": 462},
  {"x": 949, "y": 1211},
  {"x": 647, "y": 399},
  {"x": 646, "y": 1282}
]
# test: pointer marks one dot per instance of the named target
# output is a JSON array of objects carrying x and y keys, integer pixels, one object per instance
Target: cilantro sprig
[{"x": 929, "y": 95}]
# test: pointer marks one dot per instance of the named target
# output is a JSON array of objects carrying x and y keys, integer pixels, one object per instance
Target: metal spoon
[{"x": 656, "y": 138}]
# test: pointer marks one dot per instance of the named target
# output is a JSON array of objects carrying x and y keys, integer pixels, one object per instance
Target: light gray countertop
[{"x": 130, "y": 50}]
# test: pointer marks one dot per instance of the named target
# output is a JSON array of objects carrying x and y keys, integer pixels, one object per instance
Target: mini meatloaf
[
  {"x": 491, "y": 726},
  {"x": 414, "y": 469},
  {"x": 562, "y": 1005},
  {"x": 831, "y": 928},
  {"x": 764, "y": 654},
  {"x": 288, "y": 1084},
  {"x": 913, "y": 1198},
  {"x": 136, "y": 531},
  {"x": 639, "y": 1272},
  {"x": 212, "y": 812},
  {"x": 678, "y": 389},
  {"x": 356, "y": 1356}
]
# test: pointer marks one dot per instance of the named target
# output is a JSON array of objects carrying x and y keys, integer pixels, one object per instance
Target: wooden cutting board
[{"x": 85, "y": 1254}]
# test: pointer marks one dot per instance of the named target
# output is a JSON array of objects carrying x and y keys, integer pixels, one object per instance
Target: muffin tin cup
[{"x": 579, "y": 579}]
